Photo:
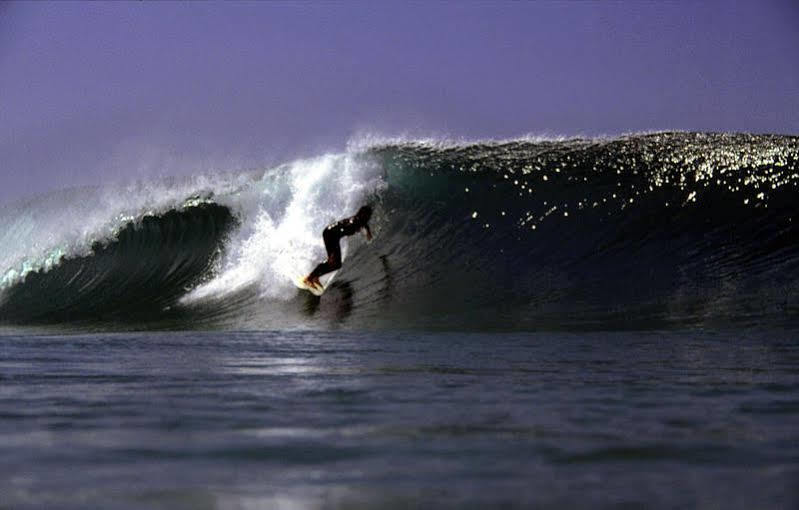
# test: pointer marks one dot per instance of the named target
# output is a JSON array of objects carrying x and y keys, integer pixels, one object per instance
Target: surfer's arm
[{"x": 367, "y": 232}]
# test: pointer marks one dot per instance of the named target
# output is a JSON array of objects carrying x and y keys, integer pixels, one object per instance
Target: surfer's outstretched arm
[{"x": 368, "y": 232}]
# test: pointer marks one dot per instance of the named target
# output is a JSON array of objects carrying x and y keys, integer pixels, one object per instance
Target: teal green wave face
[{"x": 660, "y": 230}]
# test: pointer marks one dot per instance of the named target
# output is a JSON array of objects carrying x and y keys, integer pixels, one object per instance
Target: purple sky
[{"x": 93, "y": 92}]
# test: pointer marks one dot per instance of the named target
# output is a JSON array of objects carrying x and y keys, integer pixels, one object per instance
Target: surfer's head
[{"x": 363, "y": 215}]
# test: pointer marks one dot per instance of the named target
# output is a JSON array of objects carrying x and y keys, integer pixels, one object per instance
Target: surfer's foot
[{"x": 312, "y": 282}]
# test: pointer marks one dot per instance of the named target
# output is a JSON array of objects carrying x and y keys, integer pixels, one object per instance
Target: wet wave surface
[
  {"x": 644, "y": 231},
  {"x": 138, "y": 275}
]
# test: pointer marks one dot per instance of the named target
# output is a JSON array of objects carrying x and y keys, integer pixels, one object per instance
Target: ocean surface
[{"x": 538, "y": 323}]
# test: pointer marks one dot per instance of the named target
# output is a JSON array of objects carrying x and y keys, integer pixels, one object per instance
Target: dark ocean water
[
  {"x": 665, "y": 231},
  {"x": 604, "y": 323},
  {"x": 677, "y": 419}
]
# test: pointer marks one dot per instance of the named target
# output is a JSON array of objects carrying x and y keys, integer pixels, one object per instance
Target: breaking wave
[{"x": 643, "y": 231}]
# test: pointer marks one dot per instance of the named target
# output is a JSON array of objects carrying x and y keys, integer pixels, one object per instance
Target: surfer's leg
[
  {"x": 334, "y": 258},
  {"x": 333, "y": 251},
  {"x": 332, "y": 263},
  {"x": 320, "y": 270}
]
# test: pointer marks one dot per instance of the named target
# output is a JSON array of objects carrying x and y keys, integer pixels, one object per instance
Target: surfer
[{"x": 332, "y": 235}]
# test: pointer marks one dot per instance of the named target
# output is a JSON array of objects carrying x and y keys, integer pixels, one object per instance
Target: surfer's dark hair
[{"x": 364, "y": 213}]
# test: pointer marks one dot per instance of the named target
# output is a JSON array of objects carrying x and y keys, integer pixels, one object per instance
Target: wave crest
[{"x": 656, "y": 230}]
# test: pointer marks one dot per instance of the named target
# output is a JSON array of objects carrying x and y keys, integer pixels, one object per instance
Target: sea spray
[
  {"x": 38, "y": 233},
  {"x": 281, "y": 237},
  {"x": 646, "y": 231}
]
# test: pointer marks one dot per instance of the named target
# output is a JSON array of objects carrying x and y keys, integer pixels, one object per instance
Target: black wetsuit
[{"x": 332, "y": 235}]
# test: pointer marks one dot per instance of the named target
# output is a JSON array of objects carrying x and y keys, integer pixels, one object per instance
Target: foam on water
[
  {"x": 651, "y": 230},
  {"x": 39, "y": 233},
  {"x": 282, "y": 217}
]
